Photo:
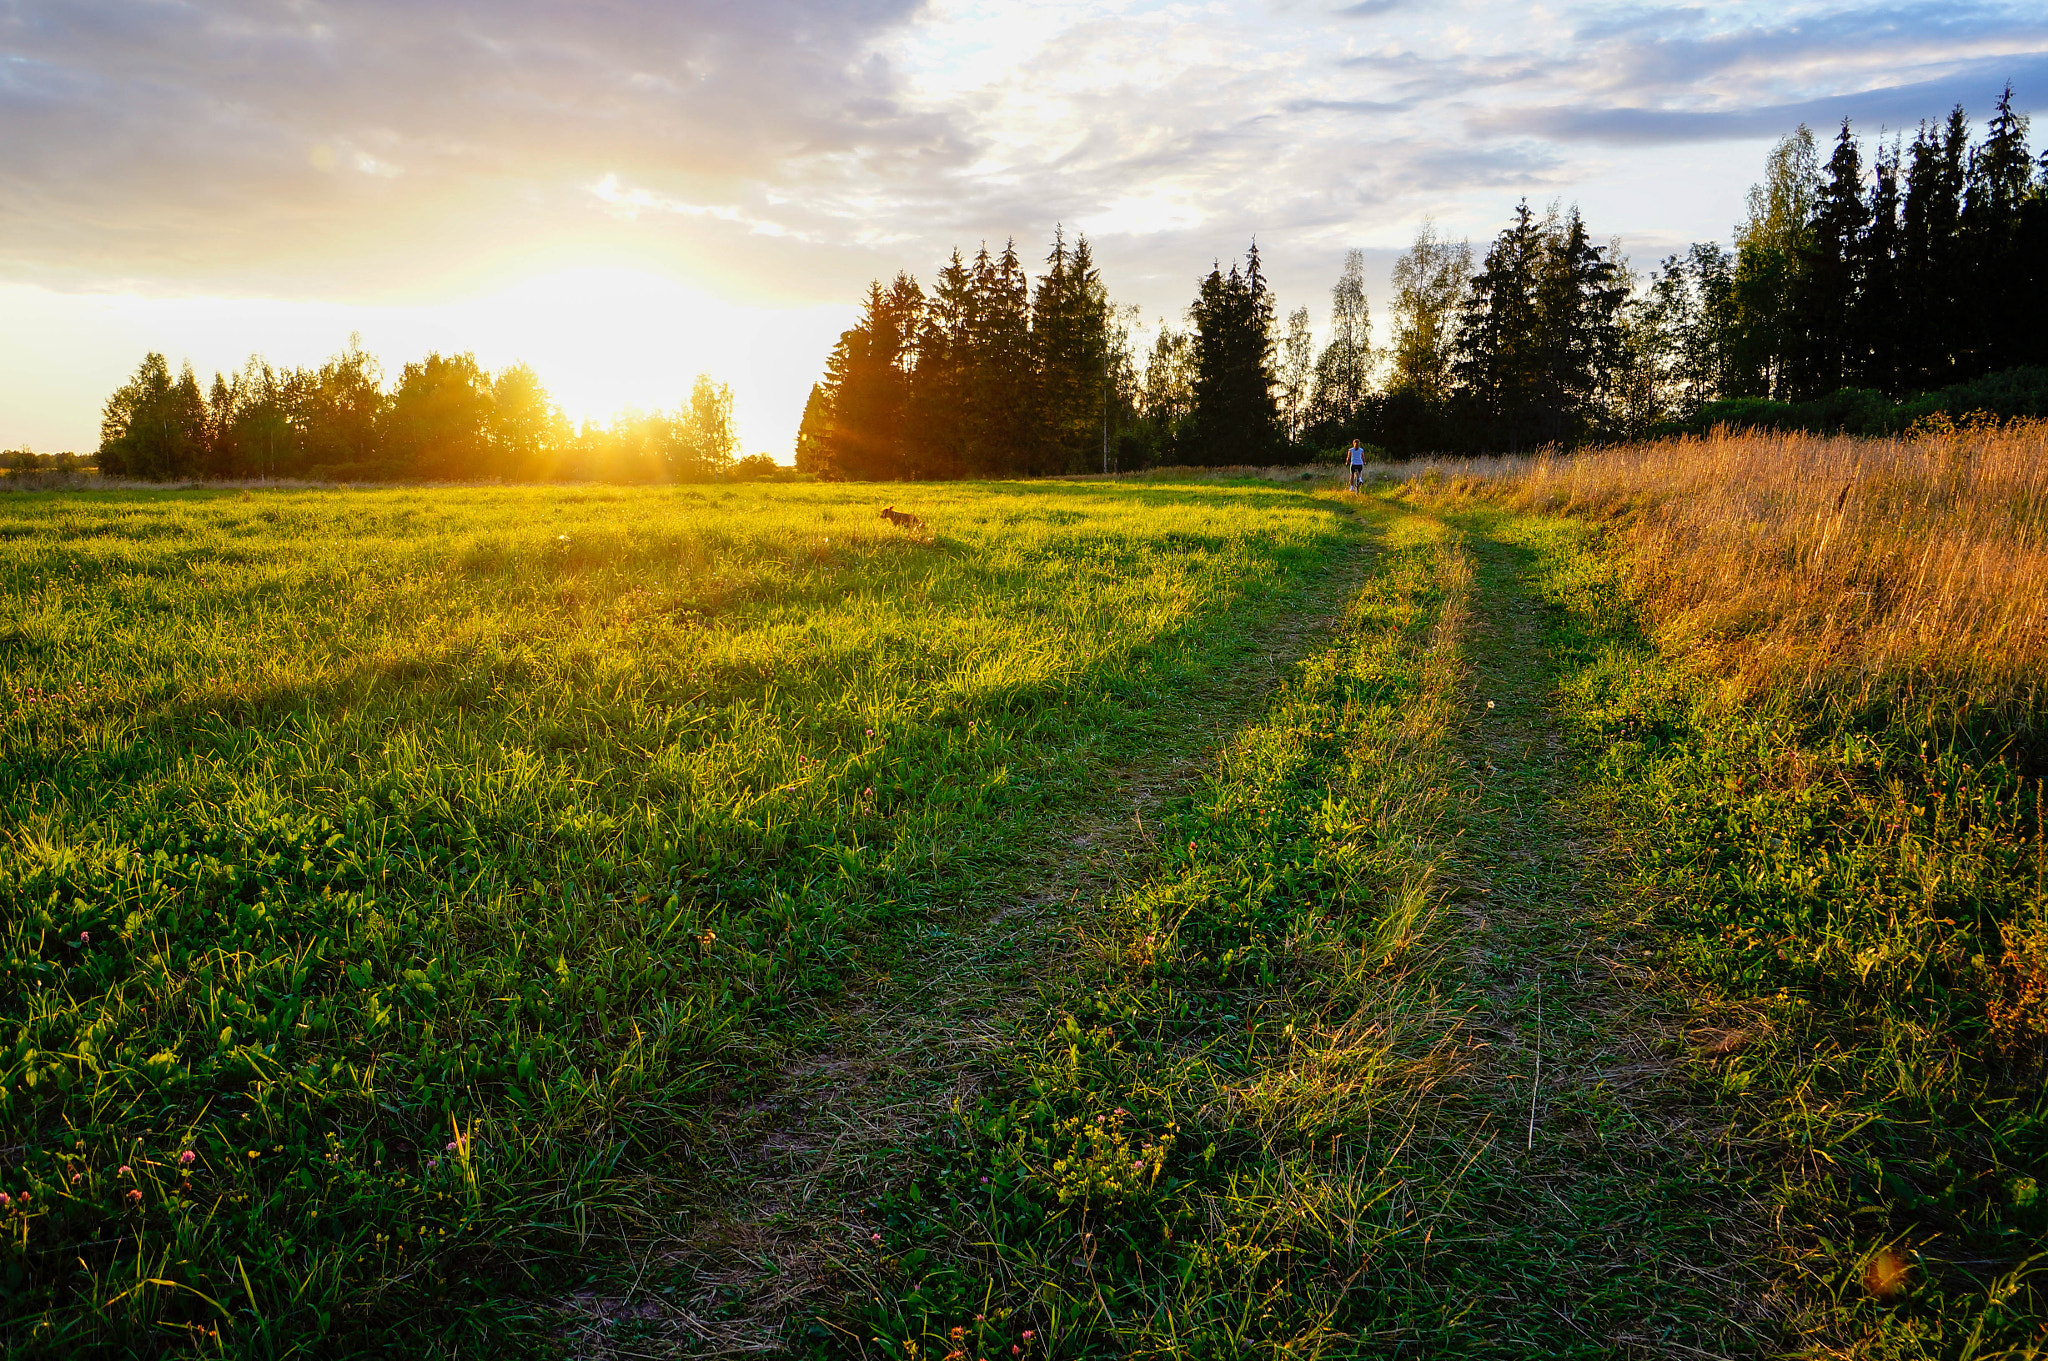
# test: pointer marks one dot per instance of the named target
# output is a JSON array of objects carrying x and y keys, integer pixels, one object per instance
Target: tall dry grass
[{"x": 1910, "y": 572}]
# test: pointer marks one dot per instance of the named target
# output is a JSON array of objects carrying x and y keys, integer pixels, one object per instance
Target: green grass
[
  {"x": 429, "y": 866},
  {"x": 1288, "y": 1100},
  {"x": 558, "y": 920},
  {"x": 1839, "y": 889}
]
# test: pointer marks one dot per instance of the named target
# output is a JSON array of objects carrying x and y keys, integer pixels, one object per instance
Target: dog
[{"x": 903, "y": 519}]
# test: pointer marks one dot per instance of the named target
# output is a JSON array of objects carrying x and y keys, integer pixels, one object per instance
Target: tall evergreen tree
[
  {"x": 1236, "y": 419},
  {"x": 1004, "y": 411},
  {"x": 1873, "y": 323},
  {"x": 1070, "y": 343},
  {"x": 2002, "y": 310},
  {"x": 1499, "y": 361},
  {"x": 867, "y": 386},
  {"x": 1579, "y": 296},
  {"x": 1930, "y": 241},
  {"x": 1824, "y": 281}
]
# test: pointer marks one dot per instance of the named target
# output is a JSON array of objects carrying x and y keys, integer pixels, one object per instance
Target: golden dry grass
[{"x": 1908, "y": 571}]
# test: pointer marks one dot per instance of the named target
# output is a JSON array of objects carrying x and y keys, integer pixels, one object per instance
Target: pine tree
[
  {"x": 1931, "y": 255},
  {"x": 1824, "y": 281},
  {"x": 1499, "y": 362},
  {"x": 2001, "y": 310},
  {"x": 1236, "y": 419}
]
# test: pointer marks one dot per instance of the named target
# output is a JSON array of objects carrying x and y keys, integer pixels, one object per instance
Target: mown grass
[
  {"x": 1298, "y": 1096},
  {"x": 1842, "y": 807},
  {"x": 1203, "y": 1148},
  {"x": 396, "y": 880}
]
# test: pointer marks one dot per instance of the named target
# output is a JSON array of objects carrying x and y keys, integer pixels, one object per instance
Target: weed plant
[{"x": 395, "y": 881}]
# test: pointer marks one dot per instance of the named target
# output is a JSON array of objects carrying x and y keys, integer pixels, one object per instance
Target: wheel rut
[
  {"x": 1608, "y": 1199},
  {"x": 783, "y": 1179}
]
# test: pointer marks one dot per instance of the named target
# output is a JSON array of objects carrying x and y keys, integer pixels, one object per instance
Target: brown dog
[{"x": 903, "y": 519}]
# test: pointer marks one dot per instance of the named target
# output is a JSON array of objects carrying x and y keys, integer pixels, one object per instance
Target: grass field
[
  {"x": 398, "y": 880},
  {"x": 1181, "y": 919}
]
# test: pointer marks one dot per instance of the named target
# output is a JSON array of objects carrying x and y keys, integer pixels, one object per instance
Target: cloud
[
  {"x": 205, "y": 139},
  {"x": 1974, "y": 84}
]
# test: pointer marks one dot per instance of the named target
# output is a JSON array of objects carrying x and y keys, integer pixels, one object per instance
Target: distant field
[{"x": 393, "y": 876}]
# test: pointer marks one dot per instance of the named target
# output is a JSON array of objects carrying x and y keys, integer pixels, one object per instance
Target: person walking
[{"x": 1357, "y": 461}]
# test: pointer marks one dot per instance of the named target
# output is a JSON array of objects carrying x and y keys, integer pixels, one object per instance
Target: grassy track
[
  {"x": 396, "y": 877},
  {"x": 1282, "y": 1103},
  {"x": 1838, "y": 883}
]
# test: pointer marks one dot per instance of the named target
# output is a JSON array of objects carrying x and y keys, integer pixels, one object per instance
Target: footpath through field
[
  {"x": 765, "y": 1242},
  {"x": 1358, "y": 1055}
]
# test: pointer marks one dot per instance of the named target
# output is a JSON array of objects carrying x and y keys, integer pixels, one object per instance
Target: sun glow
[{"x": 602, "y": 338}]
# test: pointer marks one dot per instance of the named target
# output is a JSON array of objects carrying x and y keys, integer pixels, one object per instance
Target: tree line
[
  {"x": 1851, "y": 286},
  {"x": 1858, "y": 291},
  {"x": 445, "y": 418}
]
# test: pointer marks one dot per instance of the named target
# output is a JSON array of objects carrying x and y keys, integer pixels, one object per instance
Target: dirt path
[
  {"x": 1609, "y": 1225},
  {"x": 792, "y": 1168}
]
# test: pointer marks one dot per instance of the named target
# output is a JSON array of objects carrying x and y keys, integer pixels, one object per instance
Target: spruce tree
[
  {"x": 2001, "y": 309},
  {"x": 1872, "y": 329},
  {"x": 1579, "y": 296},
  {"x": 1499, "y": 361},
  {"x": 1931, "y": 253},
  {"x": 1003, "y": 407},
  {"x": 1824, "y": 282},
  {"x": 1235, "y": 419}
]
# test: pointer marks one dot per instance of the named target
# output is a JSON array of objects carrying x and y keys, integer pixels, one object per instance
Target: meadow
[
  {"x": 1579, "y": 906},
  {"x": 398, "y": 880}
]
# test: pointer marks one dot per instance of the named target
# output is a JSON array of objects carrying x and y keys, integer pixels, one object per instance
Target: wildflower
[
  {"x": 135, "y": 1197},
  {"x": 452, "y": 1145},
  {"x": 5, "y": 1200},
  {"x": 874, "y": 1238},
  {"x": 433, "y": 1163},
  {"x": 124, "y": 1169},
  {"x": 24, "y": 1197},
  {"x": 1489, "y": 704},
  {"x": 75, "y": 1176},
  {"x": 984, "y": 1181},
  {"x": 185, "y": 1159},
  {"x": 1028, "y": 1334},
  {"x": 871, "y": 732},
  {"x": 85, "y": 937}
]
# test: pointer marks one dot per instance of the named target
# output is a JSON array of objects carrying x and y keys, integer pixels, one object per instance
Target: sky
[{"x": 625, "y": 193}]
